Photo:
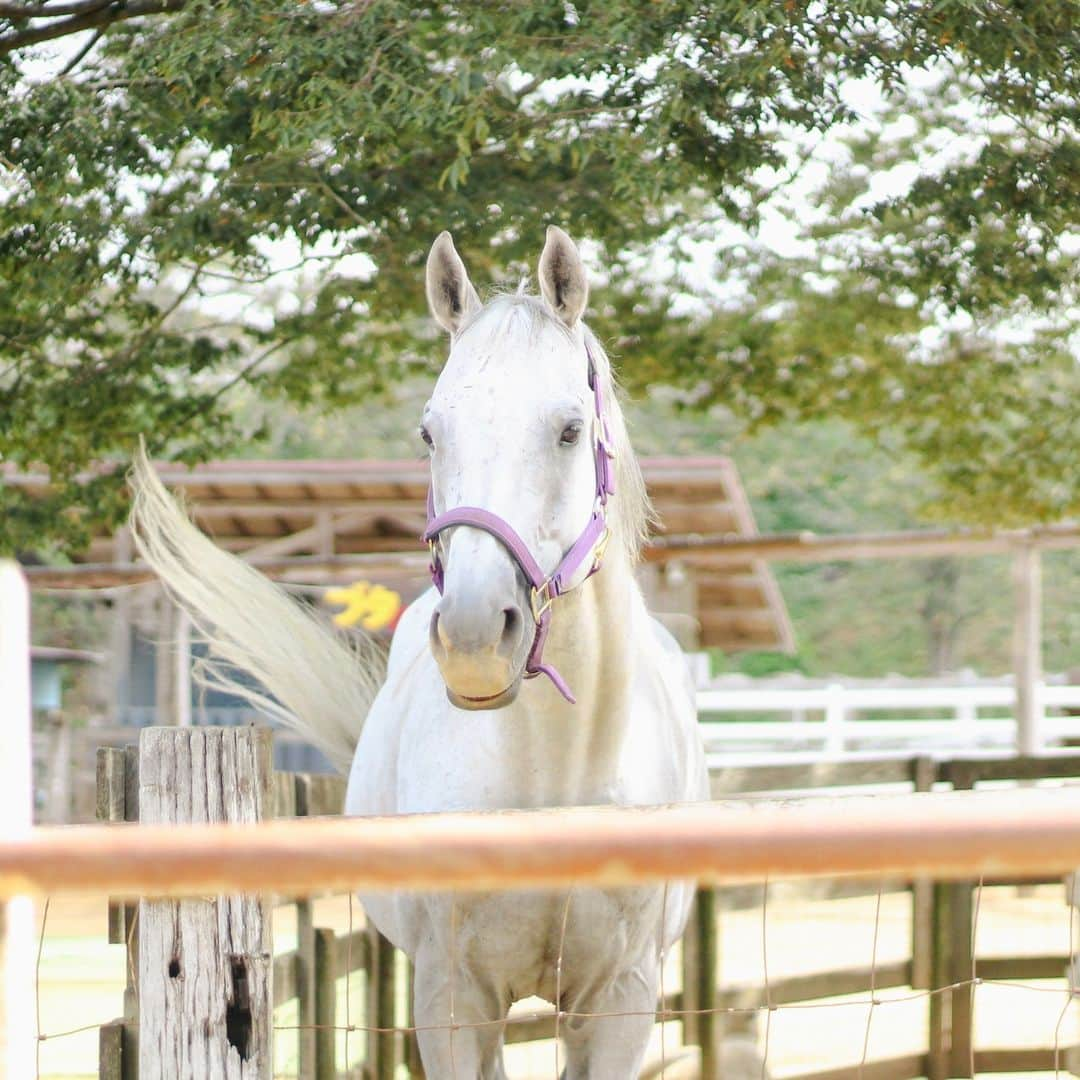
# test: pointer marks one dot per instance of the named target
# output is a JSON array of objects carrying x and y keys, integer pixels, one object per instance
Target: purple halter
[{"x": 543, "y": 588}]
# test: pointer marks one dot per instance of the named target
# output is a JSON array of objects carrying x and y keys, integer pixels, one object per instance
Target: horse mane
[{"x": 632, "y": 514}]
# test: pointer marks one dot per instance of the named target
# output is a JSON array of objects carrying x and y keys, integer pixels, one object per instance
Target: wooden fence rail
[{"x": 1021, "y": 833}]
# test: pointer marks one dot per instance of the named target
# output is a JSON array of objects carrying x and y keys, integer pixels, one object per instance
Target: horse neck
[{"x": 570, "y": 752}]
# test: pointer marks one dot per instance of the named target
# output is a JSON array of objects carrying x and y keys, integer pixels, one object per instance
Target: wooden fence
[{"x": 941, "y": 961}]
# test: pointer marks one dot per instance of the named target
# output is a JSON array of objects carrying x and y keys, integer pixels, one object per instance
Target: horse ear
[
  {"x": 562, "y": 276},
  {"x": 450, "y": 294}
]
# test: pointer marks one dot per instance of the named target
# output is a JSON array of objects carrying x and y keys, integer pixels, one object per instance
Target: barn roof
[{"x": 285, "y": 514}]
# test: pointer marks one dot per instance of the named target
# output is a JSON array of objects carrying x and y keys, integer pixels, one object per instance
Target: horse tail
[{"x": 306, "y": 677}]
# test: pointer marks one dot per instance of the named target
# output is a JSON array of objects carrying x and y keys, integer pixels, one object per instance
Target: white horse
[{"x": 521, "y": 428}]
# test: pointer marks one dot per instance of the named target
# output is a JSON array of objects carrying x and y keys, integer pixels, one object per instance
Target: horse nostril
[
  {"x": 512, "y": 627},
  {"x": 435, "y": 634}
]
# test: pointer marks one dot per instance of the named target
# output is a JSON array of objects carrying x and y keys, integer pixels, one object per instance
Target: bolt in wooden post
[{"x": 206, "y": 965}]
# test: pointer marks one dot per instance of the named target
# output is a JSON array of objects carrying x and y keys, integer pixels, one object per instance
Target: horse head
[{"x": 521, "y": 470}]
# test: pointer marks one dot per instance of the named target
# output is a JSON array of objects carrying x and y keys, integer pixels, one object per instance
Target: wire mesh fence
[
  {"x": 785, "y": 944},
  {"x": 827, "y": 979}
]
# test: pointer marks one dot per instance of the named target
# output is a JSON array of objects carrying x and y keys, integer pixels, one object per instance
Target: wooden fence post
[
  {"x": 940, "y": 999},
  {"x": 962, "y": 948},
  {"x": 691, "y": 978},
  {"x": 924, "y": 773},
  {"x": 307, "y": 981},
  {"x": 412, "y": 1044},
  {"x": 111, "y": 1051},
  {"x": 118, "y": 1043},
  {"x": 381, "y": 1011},
  {"x": 206, "y": 965},
  {"x": 325, "y": 942},
  {"x": 130, "y": 928},
  {"x": 962, "y": 963},
  {"x": 708, "y": 1021}
]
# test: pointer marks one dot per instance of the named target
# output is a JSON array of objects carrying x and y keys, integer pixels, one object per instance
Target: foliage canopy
[{"x": 242, "y": 191}]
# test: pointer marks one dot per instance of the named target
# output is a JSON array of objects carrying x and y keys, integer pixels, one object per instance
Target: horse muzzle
[{"x": 480, "y": 652}]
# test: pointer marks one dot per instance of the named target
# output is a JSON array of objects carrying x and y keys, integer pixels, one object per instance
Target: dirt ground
[{"x": 81, "y": 982}]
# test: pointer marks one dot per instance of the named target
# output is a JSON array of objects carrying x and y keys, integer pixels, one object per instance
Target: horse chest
[{"x": 543, "y": 944}]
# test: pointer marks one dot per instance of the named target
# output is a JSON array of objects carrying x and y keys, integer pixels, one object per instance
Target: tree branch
[
  {"x": 113, "y": 12},
  {"x": 81, "y": 55}
]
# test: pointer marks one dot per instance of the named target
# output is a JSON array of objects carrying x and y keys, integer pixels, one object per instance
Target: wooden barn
[{"x": 346, "y": 533}]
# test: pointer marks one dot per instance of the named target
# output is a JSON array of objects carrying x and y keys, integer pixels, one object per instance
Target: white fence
[
  {"x": 744, "y": 722},
  {"x": 833, "y": 719}
]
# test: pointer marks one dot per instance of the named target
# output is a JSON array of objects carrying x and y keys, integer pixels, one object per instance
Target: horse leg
[
  {"x": 460, "y": 1024},
  {"x": 612, "y": 1046}
]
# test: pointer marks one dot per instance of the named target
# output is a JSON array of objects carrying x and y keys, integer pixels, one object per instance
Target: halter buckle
[
  {"x": 540, "y": 599},
  {"x": 600, "y": 550}
]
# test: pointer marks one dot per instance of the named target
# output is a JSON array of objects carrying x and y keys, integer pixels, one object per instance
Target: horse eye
[
  {"x": 571, "y": 434},
  {"x": 426, "y": 436}
]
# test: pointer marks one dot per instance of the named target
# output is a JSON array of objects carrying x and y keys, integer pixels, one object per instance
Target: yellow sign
[{"x": 374, "y": 607}]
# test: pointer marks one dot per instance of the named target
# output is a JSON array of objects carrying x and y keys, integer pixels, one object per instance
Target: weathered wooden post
[
  {"x": 325, "y": 1003},
  {"x": 962, "y": 949},
  {"x": 691, "y": 979},
  {"x": 412, "y": 1044},
  {"x": 306, "y": 983},
  {"x": 382, "y": 998},
  {"x": 940, "y": 1000},
  {"x": 118, "y": 800},
  {"x": 206, "y": 965},
  {"x": 17, "y": 1027}
]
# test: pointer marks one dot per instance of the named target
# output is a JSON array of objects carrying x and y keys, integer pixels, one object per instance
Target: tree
[{"x": 155, "y": 186}]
